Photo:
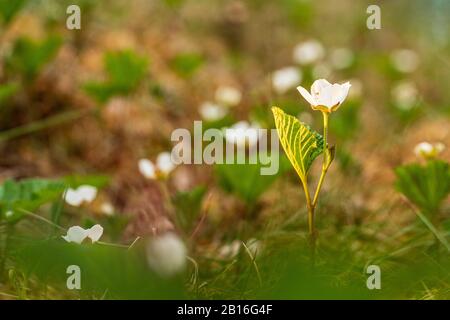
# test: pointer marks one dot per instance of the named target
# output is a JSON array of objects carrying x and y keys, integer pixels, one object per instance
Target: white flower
[
  {"x": 163, "y": 167},
  {"x": 212, "y": 112},
  {"x": 428, "y": 150},
  {"x": 242, "y": 133},
  {"x": 342, "y": 58},
  {"x": 164, "y": 163},
  {"x": 147, "y": 168},
  {"x": 84, "y": 193},
  {"x": 230, "y": 250},
  {"x": 325, "y": 96},
  {"x": 405, "y": 60},
  {"x": 308, "y": 52},
  {"x": 166, "y": 254},
  {"x": 77, "y": 234},
  {"x": 405, "y": 95},
  {"x": 228, "y": 96},
  {"x": 285, "y": 79},
  {"x": 107, "y": 208}
]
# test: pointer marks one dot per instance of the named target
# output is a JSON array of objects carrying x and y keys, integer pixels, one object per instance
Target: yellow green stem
[{"x": 325, "y": 159}]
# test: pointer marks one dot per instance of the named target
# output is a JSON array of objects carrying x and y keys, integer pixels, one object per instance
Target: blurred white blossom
[
  {"x": 405, "y": 60},
  {"x": 230, "y": 250},
  {"x": 427, "y": 150},
  {"x": 285, "y": 79},
  {"x": 242, "y": 133},
  {"x": 342, "y": 58},
  {"x": 325, "y": 96},
  {"x": 308, "y": 52},
  {"x": 84, "y": 193},
  {"x": 77, "y": 234},
  {"x": 107, "y": 208},
  {"x": 405, "y": 95},
  {"x": 211, "y": 111},
  {"x": 163, "y": 167},
  {"x": 228, "y": 96},
  {"x": 166, "y": 254}
]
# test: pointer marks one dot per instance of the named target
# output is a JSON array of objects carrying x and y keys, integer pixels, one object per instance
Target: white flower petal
[
  {"x": 322, "y": 91},
  {"x": 95, "y": 232},
  {"x": 285, "y": 79},
  {"x": 164, "y": 163},
  {"x": 76, "y": 234},
  {"x": 228, "y": 96},
  {"x": 73, "y": 197},
  {"x": 147, "y": 168},
  {"x": 305, "y": 94},
  {"x": 308, "y": 52},
  {"x": 212, "y": 112},
  {"x": 88, "y": 193}
]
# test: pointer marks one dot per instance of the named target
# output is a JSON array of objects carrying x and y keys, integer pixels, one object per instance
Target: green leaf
[
  {"x": 7, "y": 90},
  {"x": 125, "y": 70},
  {"x": 27, "y": 194},
  {"x": 186, "y": 64},
  {"x": 246, "y": 180},
  {"x": 188, "y": 206},
  {"x": 97, "y": 181},
  {"x": 300, "y": 143},
  {"x": 426, "y": 186},
  {"x": 29, "y": 57},
  {"x": 106, "y": 271},
  {"x": 9, "y": 9}
]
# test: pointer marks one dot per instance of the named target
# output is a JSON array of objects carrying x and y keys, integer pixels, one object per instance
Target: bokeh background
[{"x": 84, "y": 106}]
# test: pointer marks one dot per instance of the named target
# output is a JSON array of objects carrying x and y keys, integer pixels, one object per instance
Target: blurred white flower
[
  {"x": 9, "y": 213},
  {"x": 77, "y": 234},
  {"x": 405, "y": 95},
  {"x": 212, "y": 111},
  {"x": 427, "y": 150},
  {"x": 84, "y": 193},
  {"x": 147, "y": 168},
  {"x": 325, "y": 96},
  {"x": 163, "y": 167},
  {"x": 166, "y": 254},
  {"x": 107, "y": 208},
  {"x": 230, "y": 250},
  {"x": 164, "y": 163},
  {"x": 242, "y": 133},
  {"x": 228, "y": 96},
  {"x": 321, "y": 70},
  {"x": 405, "y": 60},
  {"x": 285, "y": 79},
  {"x": 342, "y": 58},
  {"x": 308, "y": 52}
]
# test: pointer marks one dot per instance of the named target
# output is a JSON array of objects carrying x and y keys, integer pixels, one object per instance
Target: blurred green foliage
[
  {"x": 7, "y": 90},
  {"x": 27, "y": 194},
  {"x": 30, "y": 194},
  {"x": 106, "y": 272},
  {"x": 246, "y": 180},
  {"x": 185, "y": 64},
  {"x": 29, "y": 57},
  {"x": 9, "y": 8},
  {"x": 425, "y": 185},
  {"x": 125, "y": 70},
  {"x": 188, "y": 207}
]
